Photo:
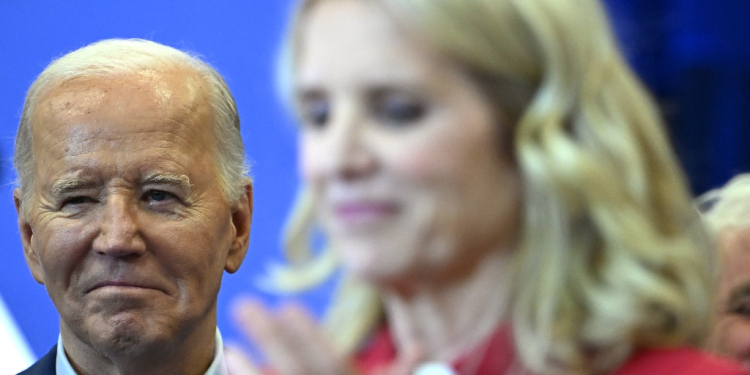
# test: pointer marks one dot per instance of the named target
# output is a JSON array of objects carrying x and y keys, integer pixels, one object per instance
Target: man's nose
[{"x": 119, "y": 232}]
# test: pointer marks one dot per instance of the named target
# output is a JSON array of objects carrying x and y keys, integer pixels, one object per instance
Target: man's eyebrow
[
  {"x": 66, "y": 185},
  {"x": 168, "y": 178},
  {"x": 738, "y": 293}
]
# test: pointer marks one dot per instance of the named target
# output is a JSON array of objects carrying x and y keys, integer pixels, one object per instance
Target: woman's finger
[
  {"x": 269, "y": 335},
  {"x": 312, "y": 345},
  {"x": 291, "y": 340},
  {"x": 238, "y": 363}
]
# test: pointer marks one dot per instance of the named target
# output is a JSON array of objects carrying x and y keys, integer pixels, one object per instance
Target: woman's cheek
[
  {"x": 426, "y": 164},
  {"x": 310, "y": 160}
]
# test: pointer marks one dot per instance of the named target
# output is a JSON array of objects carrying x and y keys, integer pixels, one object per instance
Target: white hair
[
  {"x": 727, "y": 207},
  {"x": 112, "y": 57}
]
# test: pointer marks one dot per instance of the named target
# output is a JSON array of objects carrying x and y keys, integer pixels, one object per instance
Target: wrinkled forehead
[
  {"x": 734, "y": 249},
  {"x": 734, "y": 256},
  {"x": 86, "y": 114},
  {"x": 177, "y": 93}
]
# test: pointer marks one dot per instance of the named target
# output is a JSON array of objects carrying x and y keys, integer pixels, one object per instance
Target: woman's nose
[{"x": 347, "y": 150}]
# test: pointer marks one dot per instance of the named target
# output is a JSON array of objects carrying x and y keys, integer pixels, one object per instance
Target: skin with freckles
[
  {"x": 730, "y": 334},
  {"x": 128, "y": 228}
]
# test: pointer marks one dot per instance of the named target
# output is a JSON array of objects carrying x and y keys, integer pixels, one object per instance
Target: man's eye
[
  {"x": 77, "y": 200},
  {"x": 158, "y": 195},
  {"x": 315, "y": 112},
  {"x": 398, "y": 110}
]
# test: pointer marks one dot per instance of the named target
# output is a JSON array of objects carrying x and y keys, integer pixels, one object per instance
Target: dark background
[
  {"x": 693, "y": 54},
  {"x": 695, "y": 57}
]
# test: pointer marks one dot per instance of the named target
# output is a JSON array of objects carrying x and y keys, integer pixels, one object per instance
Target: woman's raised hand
[{"x": 294, "y": 344}]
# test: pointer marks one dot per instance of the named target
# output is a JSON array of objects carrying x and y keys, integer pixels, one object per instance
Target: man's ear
[
  {"x": 242, "y": 217},
  {"x": 27, "y": 238}
]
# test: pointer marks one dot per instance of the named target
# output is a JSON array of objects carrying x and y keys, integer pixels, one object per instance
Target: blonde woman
[
  {"x": 726, "y": 211},
  {"x": 498, "y": 190}
]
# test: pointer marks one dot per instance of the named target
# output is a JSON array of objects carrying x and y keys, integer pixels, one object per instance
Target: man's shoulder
[{"x": 44, "y": 366}]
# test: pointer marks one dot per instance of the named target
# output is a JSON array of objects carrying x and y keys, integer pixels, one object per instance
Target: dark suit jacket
[{"x": 44, "y": 366}]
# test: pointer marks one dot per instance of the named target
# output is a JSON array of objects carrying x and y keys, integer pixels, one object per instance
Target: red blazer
[{"x": 497, "y": 354}]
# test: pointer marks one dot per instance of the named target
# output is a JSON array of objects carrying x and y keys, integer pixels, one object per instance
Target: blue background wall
[{"x": 694, "y": 54}]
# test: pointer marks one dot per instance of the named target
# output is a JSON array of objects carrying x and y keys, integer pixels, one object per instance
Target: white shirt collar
[{"x": 218, "y": 366}]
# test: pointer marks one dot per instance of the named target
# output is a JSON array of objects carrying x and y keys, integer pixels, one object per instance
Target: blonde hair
[
  {"x": 727, "y": 207},
  {"x": 113, "y": 57},
  {"x": 612, "y": 257}
]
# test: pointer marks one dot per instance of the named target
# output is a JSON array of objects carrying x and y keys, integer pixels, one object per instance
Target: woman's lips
[{"x": 362, "y": 213}]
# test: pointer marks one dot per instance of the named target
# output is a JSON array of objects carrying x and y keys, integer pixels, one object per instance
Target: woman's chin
[{"x": 373, "y": 269}]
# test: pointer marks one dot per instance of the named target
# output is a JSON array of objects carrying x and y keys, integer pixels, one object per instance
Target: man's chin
[{"x": 126, "y": 333}]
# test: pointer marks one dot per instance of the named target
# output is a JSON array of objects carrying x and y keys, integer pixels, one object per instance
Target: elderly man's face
[
  {"x": 731, "y": 331},
  {"x": 128, "y": 227}
]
